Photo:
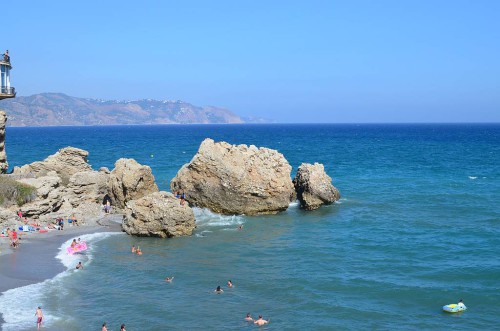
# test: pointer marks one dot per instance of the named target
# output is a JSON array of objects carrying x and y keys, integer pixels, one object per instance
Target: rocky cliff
[
  {"x": 3, "y": 156},
  {"x": 52, "y": 109}
]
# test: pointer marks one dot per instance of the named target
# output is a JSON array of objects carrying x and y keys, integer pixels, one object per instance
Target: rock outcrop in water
[
  {"x": 3, "y": 156},
  {"x": 129, "y": 181},
  {"x": 232, "y": 179},
  {"x": 314, "y": 187},
  {"x": 159, "y": 214}
]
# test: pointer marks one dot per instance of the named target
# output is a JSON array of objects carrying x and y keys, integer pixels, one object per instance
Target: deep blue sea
[{"x": 417, "y": 227}]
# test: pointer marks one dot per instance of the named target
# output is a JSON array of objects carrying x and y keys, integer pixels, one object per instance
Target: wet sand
[{"x": 35, "y": 259}]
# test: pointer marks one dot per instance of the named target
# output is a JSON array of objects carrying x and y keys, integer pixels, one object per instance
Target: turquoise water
[{"x": 417, "y": 228}]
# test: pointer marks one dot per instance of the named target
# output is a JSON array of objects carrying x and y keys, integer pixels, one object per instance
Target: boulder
[
  {"x": 232, "y": 179},
  {"x": 314, "y": 187},
  {"x": 3, "y": 156},
  {"x": 158, "y": 214},
  {"x": 66, "y": 162},
  {"x": 8, "y": 218},
  {"x": 87, "y": 186},
  {"x": 49, "y": 195},
  {"x": 130, "y": 180}
]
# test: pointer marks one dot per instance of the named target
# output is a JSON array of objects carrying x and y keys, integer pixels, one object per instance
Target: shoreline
[{"x": 34, "y": 261}]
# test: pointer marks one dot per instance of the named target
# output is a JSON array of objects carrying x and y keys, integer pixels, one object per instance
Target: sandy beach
[{"x": 35, "y": 259}]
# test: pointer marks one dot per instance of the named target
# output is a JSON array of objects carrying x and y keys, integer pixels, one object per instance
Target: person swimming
[
  {"x": 460, "y": 304},
  {"x": 138, "y": 251},
  {"x": 248, "y": 318},
  {"x": 260, "y": 321},
  {"x": 133, "y": 249},
  {"x": 229, "y": 283},
  {"x": 169, "y": 279},
  {"x": 218, "y": 290}
]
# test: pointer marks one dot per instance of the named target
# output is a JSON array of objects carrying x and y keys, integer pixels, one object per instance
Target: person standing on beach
[{"x": 39, "y": 317}]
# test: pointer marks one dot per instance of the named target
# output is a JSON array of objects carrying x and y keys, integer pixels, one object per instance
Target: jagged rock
[
  {"x": 87, "y": 186},
  {"x": 66, "y": 162},
  {"x": 314, "y": 187},
  {"x": 49, "y": 195},
  {"x": 130, "y": 180},
  {"x": 3, "y": 155},
  {"x": 232, "y": 179},
  {"x": 8, "y": 218},
  {"x": 158, "y": 214},
  {"x": 104, "y": 170}
]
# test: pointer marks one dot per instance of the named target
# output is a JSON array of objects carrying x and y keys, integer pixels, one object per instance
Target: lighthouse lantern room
[{"x": 6, "y": 91}]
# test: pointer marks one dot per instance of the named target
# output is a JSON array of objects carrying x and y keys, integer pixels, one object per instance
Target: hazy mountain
[{"x": 50, "y": 109}]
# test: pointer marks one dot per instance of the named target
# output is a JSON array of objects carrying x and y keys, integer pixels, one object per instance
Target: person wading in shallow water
[{"x": 39, "y": 317}]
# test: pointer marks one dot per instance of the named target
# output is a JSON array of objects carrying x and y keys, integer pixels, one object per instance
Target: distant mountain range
[{"x": 55, "y": 109}]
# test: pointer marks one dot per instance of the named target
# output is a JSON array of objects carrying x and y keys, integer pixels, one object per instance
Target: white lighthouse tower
[{"x": 6, "y": 91}]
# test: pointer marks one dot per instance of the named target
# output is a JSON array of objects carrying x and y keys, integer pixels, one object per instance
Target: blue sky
[{"x": 292, "y": 61}]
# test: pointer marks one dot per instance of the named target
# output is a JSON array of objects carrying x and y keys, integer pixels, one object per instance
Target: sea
[{"x": 417, "y": 227}]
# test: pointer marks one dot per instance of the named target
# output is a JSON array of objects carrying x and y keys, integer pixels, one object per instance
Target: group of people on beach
[
  {"x": 59, "y": 222},
  {"x": 13, "y": 237}
]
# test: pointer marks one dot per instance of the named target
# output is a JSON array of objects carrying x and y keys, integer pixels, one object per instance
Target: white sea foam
[
  {"x": 472, "y": 177},
  {"x": 70, "y": 261},
  {"x": 206, "y": 218},
  {"x": 18, "y": 305},
  {"x": 294, "y": 204}
]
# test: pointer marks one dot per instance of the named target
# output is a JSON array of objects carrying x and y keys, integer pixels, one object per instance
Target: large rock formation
[
  {"x": 159, "y": 214},
  {"x": 232, "y": 179},
  {"x": 129, "y": 181},
  {"x": 49, "y": 195},
  {"x": 66, "y": 162},
  {"x": 8, "y": 218},
  {"x": 314, "y": 187},
  {"x": 87, "y": 186},
  {"x": 3, "y": 156}
]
